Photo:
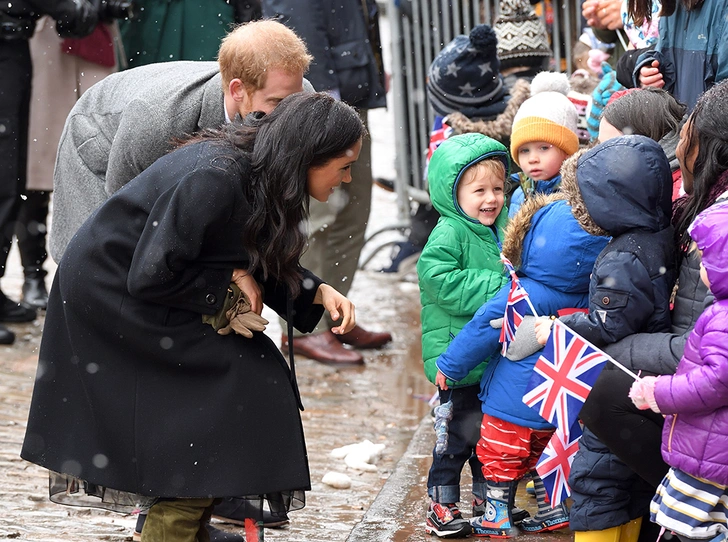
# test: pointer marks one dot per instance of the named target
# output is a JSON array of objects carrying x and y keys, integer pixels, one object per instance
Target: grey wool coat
[
  {"x": 127, "y": 370},
  {"x": 120, "y": 126}
]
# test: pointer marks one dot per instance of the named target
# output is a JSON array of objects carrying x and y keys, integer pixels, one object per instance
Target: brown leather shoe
[
  {"x": 324, "y": 348},
  {"x": 361, "y": 338}
]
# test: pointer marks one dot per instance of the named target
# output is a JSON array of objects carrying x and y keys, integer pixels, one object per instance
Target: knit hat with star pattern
[
  {"x": 548, "y": 115},
  {"x": 465, "y": 76},
  {"x": 522, "y": 38}
]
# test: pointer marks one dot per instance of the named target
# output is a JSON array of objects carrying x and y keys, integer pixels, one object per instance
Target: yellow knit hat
[{"x": 548, "y": 115}]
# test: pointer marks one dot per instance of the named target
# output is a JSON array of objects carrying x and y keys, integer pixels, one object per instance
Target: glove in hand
[
  {"x": 235, "y": 315},
  {"x": 642, "y": 393}
]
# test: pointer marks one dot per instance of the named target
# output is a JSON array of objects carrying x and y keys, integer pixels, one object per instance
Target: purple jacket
[{"x": 695, "y": 437}]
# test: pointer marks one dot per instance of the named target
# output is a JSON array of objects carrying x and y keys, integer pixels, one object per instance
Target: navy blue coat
[
  {"x": 344, "y": 42},
  {"x": 626, "y": 186}
]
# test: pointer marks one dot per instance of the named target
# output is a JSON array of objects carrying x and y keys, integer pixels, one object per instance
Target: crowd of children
[{"x": 590, "y": 230}]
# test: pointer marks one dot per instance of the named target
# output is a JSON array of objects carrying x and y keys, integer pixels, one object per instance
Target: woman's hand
[
  {"x": 338, "y": 306},
  {"x": 543, "y": 329},
  {"x": 250, "y": 288}
]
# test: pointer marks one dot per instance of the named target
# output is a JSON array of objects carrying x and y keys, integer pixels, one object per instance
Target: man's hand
[
  {"x": 650, "y": 76},
  {"x": 338, "y": 306}
]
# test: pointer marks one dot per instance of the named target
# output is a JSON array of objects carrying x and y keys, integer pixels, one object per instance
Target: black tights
[{"x": 633, "y": 435}]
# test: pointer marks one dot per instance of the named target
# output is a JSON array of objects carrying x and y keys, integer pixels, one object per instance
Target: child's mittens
[
  {"x": 600, "y": 97},
  {"x": 443, "y": 415},
  {"x": 524, "y": 342},
  {"x": 642, "y": 393}
]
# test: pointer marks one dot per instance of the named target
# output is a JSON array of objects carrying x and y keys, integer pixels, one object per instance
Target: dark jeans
[
  {"x": 633, "y": 435},
  {"x": 443, "y": 482},
  {"x": 15, "y": 84}
]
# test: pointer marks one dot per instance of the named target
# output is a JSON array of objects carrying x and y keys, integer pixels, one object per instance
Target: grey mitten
[
  {"x": 524, "y": 343},
  {"x": 496, "y": 323}
]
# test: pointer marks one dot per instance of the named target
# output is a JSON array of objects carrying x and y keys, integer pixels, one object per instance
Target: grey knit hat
[
  {"x": 522, "y": 39},
  {"x": 465, "y": 75}
]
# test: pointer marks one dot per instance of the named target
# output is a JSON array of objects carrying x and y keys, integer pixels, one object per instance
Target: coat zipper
[{"x": 669, "y": 437}]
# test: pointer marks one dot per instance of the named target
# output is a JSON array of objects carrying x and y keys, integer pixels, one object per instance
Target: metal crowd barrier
[{"x": 419, "y": 30}]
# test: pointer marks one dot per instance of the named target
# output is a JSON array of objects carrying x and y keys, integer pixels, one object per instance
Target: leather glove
[
  {"x": 235, "y": 315},
  {"x": 642, "y": 393}
]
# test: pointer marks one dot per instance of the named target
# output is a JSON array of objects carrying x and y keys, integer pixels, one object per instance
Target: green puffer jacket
[{"x": 459, "y": 268}]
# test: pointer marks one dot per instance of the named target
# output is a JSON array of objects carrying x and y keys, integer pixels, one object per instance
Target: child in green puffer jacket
[{"x": 459, "y": 270}]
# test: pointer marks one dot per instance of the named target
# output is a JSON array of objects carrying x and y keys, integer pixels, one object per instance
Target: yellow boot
[
  {"x": 631, "y": 531},
  {"x": 607, "y": 535}
]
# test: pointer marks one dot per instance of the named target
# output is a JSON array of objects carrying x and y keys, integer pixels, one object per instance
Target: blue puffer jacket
[
  {"x": 539, "y": 187},
  {"x": 692, "y": 50},
  {"x": 625, "y": 186},
  {"x": 556, "y": 256}
]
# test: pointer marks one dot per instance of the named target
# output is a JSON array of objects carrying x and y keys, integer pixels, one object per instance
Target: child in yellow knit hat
[{"x": 542, "y": 137}]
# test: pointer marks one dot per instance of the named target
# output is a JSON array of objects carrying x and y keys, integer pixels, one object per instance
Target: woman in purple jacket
[{"x": 692, "y": 499}]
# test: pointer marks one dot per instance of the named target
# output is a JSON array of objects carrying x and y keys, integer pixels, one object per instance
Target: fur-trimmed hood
[
  {"x": 570, "y": 191},
  {"x": 622, "y": 184},
  {"x": 545, "y": 242},
  {"x": 498, "y": 128}
]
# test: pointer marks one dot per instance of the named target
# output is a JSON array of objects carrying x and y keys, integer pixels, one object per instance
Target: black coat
[
  {"x": 626, "y": 187},
  {"x": 344, "y": 42},
  {"x": 133, "y": 391}
]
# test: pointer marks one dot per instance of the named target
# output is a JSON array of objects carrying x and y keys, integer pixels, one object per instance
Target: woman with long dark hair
[
  {"x": 137, "y": 401},
  {"x": 632, "y": 437}
]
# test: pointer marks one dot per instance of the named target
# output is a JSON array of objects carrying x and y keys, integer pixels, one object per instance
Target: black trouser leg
[
  {"x": 633, "y": 435},
  {"x": 30, "y": 230},
  {"x": 16, "y": 70}
]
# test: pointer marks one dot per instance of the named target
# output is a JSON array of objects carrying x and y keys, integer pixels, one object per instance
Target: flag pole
[
  {"x": 514, "y": 277},
  {"x": 609, "y": 358}
]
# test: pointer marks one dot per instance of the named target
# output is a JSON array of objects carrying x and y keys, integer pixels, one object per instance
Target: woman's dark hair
[
  {"x": 641, "y": 10},
  {"x": 305, "y": 130},
  {"x": 651, "y": 112},
  {"x": 707, "y": 127}
]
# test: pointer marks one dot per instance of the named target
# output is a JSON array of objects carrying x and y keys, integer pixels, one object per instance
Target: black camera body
[{"x": 109, "y": 10}]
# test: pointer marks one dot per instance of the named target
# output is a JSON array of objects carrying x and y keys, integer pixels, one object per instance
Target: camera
[{"x": 109, "y": 10}]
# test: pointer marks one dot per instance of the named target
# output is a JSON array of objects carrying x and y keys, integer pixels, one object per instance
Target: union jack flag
[
  {"x": 440, "y": 132},
  {"x": 563, "y": 376},
  {"x": 517, "y": 307},
  {"x": 555, "y": 463}
]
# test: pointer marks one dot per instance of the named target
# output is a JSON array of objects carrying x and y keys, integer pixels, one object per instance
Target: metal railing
[{"x": 419, "y": 30}]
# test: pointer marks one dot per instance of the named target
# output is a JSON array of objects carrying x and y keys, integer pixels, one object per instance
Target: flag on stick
[
  {"x": 555, "y": 463},
  {"x": 563, "y": 376},
  {"x": 517, "y": 306}
]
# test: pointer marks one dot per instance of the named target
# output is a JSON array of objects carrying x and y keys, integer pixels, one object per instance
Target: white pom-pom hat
[{"x": 548, "y": 115}]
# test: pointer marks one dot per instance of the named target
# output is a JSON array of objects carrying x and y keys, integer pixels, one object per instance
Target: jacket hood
[
  {"x": 447, "y": 166},
  {"x": 626, "y": 184},
  {"x": 563, "y": 262},
  {"x": 709, "y": 231}
]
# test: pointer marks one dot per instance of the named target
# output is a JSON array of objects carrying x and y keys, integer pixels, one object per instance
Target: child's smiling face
[
  {"x": 480, "y": 193},
  {"x": 539, "y": 160}
]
